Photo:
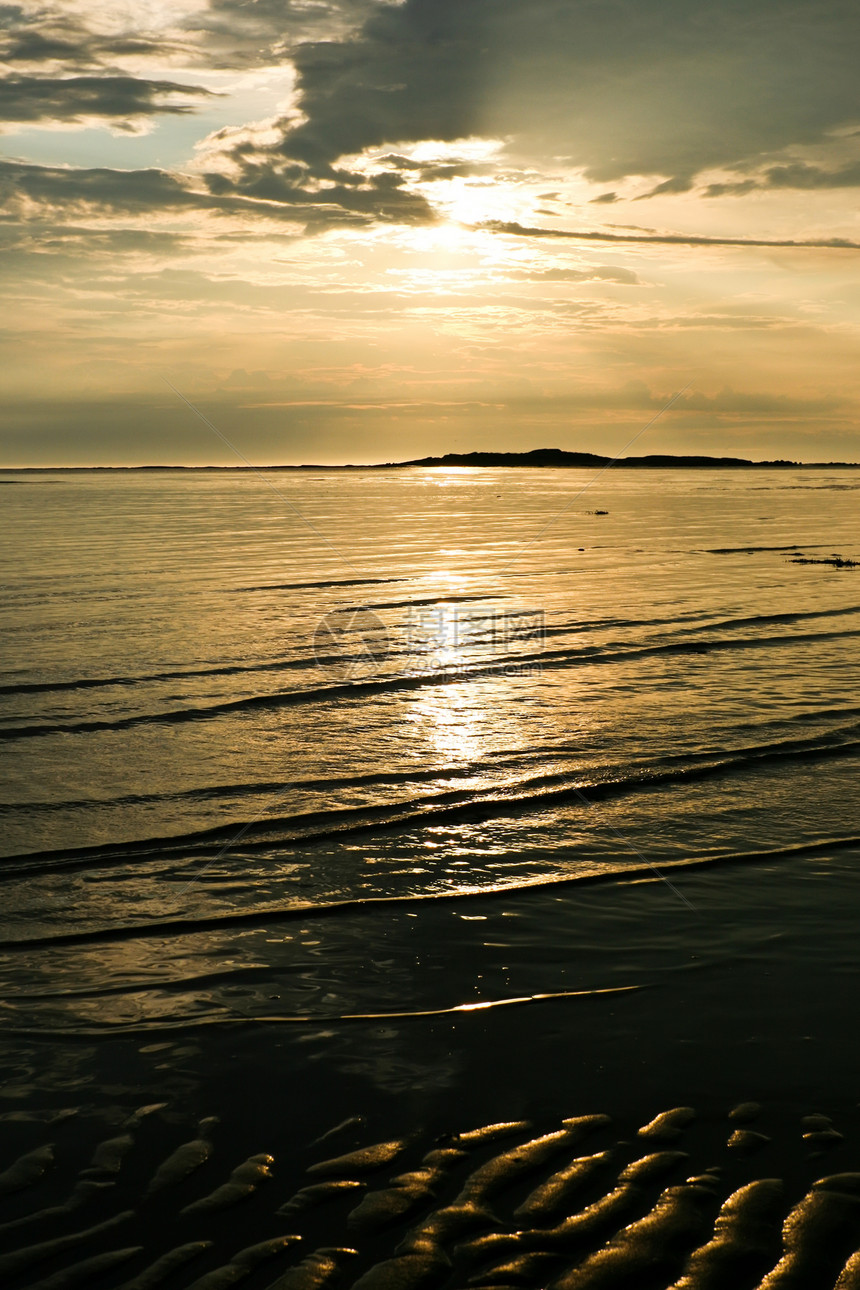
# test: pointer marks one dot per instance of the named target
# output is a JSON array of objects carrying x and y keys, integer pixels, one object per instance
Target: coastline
[{"x": 538, "y": 458}]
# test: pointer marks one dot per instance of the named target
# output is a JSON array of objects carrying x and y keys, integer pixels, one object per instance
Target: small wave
[
  {"x": 265, "y": 788},
  {"x": 751, "y": 550},
  {"x": 313, "y": 586},
  {"x": 409, "y": 681},
  {"x": 307, "y": 910},
  {"x": 312, "y": 1018},
  {"x": 456, "y": 806},
  {"x": 790, "y": 616},
  {"x": 189, "y": 674},
  {"x": 304, "y": 662},
  {"x": 408, "y": 604}
]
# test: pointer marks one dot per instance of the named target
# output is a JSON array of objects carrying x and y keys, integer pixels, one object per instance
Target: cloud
[
  {"x": 130, "y": 191},
  {"x": 756, "y": 403},
  {"x": 626, "y": 89},
  {"x": 140, "y": 192},
  {"x": 53, "y": 33},
  {"x": 662, "y": 90},
  {"x": 228, "y": 34},
  {"x": 670, "y": 239},
  {"x": 74, "y": 99},
  {"x": 249, "y": 32},
  {"x": 600, "y": 273},
  {"x": 796, "y": 174},
  {"x": 425, "y": 136},
  {"x": 31, "y": 251}
]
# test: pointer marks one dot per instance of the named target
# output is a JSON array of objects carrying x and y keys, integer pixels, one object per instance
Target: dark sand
[{"x": 747, "y": 997}]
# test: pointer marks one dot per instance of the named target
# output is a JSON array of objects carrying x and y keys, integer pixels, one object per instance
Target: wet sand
[
  {"x": 648, "y": 1005},
  {"x": 751, "y": 1198}
]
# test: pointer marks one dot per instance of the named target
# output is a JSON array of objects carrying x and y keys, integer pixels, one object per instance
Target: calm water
[{"x": 217, "y": 709}]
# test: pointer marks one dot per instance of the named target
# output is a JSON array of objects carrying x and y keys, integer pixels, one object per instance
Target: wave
[
  {"x": 313, "y": 586},
  {"x": 754, "y": 550},
  {"x": 409, "y": 681},
  {"x": 306, "y": 1019},
  {"x": 304, "y": 911},
  {"x": 264, "y": 788},
  {"x": 149, "y": 678},
  {"x": 687, "y": 623},
  {"x": 836, "y": 737},
  {"x": 454, "y": 806},
  {"x": 190, "y": 674},
  {"x": 427, "y": 600}
]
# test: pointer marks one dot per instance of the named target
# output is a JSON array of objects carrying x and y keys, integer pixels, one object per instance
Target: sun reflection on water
[{"x": 456, "y": 729}]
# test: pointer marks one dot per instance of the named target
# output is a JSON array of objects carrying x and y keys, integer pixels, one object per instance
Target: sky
[{"x": 369, "y": 230}]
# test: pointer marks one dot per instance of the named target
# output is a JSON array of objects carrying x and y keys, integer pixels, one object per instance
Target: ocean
[{"x": 426, "y": 796}]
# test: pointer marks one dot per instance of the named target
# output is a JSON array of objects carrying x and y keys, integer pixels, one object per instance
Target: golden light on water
[{"x": 450, "y": 727}]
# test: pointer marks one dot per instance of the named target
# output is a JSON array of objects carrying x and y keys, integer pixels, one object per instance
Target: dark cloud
[
  {"x": 29, "y": 250},
  {"x": 677, "y": 184},
  {"x": 804, "y": 176},
  {"x": 38, "y": 47},
  {"x": 620, "y": 89},
  {"x": 138, "y": 192},
  {"x": 225, "y": 34},
  {"x": 71, "y": 98},
  {"x": 238, "y": 33},
  {"x": 797, "y": 174},
  {"x": 664, "y": 88},
  {"x": 130, "y": 191},
  {"x": 751, "y": 403},
  {"x": 734, "y": 189},
  {"x": 381, "y": 196},
  {"x": 672, "y": 239},
  {"x": 53, "y": 36},
  {"x": 632, "y": 87}
]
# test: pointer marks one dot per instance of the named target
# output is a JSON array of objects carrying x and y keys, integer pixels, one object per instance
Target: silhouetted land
[{"x": 556, "y": 457}]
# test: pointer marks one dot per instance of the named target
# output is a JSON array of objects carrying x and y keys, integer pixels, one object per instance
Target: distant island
[
  {"x": 559, "y": 457},
  {"x": 538, "y": 457}
]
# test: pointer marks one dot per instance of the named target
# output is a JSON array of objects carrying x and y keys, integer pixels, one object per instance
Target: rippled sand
[{"x": 749, "y": 1199}]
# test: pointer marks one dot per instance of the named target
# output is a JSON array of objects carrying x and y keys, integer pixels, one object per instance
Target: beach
[{"x": 507, "y": 800}]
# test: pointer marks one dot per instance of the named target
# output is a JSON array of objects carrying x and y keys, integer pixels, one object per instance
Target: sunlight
[
  {"x": 450, "y": 728},
  {"x": 471, "y": 201},
  {"x": 435, "y": 637}
]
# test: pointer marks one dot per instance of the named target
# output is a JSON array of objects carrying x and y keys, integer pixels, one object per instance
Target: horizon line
[{"x": 697, "y": 461}]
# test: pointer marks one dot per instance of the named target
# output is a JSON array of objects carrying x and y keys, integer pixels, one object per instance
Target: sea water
[{"x": 252, "y": 722}]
